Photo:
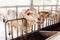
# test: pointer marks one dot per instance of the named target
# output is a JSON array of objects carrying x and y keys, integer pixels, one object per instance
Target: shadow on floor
[
  {"x": 54, "y": 27},
  {"x": 32, "y": 36},
  {"x": 37, "y": 35}
]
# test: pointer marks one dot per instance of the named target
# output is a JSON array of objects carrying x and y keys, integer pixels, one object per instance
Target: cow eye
[{"x": 28, "y": 14}]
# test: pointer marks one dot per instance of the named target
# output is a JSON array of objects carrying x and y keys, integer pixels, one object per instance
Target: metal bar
[
  {"x": 26, "y": 30},
  {"x": 25, "y": 6},
  {"x": 31, "y": 4},
  {"x": 22, "y": 27},
  {"x": 59, "y": 17},
  {"x": 51, "y": 9},
  {"x": 17, "y": 20},
  {"x": 38, "y": 9},
  {"x": 5, "y": 32},
  {"x": 22, "y": 30},
  {"x": 43, "y": 23},
  {"x": 56, "y": 4},
  {"x": 54, "y": 20},
  {"x": 34, "y": 27},
  {"x": 50, "y": 22},
  {"x": 43, "y": 5},
  {"x": 46, "y": 21},
  {"x": 11, "y": 30},
  {"x": 39, "y": 25}
]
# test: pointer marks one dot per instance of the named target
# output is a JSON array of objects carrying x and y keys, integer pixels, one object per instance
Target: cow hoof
[{"x": 9, "y": 34}]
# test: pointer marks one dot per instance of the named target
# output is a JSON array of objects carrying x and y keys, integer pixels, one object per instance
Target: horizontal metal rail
[
  {"x": 16, "y": 19},
  {"x": 26, "y": 6}
]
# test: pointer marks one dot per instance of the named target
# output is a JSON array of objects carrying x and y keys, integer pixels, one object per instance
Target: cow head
[
  {"x": 30, "y": 16},
  {"x": 42, "y": 15}
]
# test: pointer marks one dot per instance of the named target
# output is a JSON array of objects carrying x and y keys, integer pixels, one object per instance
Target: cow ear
[{"x": 48, "y": 14}]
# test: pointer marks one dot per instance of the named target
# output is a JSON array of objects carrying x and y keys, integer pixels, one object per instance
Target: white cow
[
  {"x": 42, "y": 16},
  {"x": 11, "y": 14},
  {"x": 29, "y": 15}
]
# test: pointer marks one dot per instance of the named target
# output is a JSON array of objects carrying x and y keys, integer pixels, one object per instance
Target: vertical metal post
[
  {"x": 17, "y": 20},
  {"x": 59, "y": 17},
  {"x": 39, "y": 25},
  {"x": 31, "y": 5},
  {"x": 5, "y": 27},
  {"x": 43, "y": 5},
  {"x": 56, "y": 4},
  {"x": 51, "y": 9},
  {"x": 43, "y": 23},
  {"x": 26, "y": 29},
  {"x": 34, "y": 27},
  {"x": 22, "y": 30},
  {"x": 49, "y": 16},
  {"x": 46, "y": 21},
  {"x": 11, "y": 29},
  {"x": 50, "y": 22},
  {"x": 56, "y": 7},
  {"x": 5, "y": 31}
]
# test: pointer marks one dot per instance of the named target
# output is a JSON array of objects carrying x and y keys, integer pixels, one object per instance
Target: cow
[
  {"x": 28, "y": 14},
  {"x": 42, "y": 16},
  {"x": 11, "y": 14},
  {"x": 31, "y": 16}
]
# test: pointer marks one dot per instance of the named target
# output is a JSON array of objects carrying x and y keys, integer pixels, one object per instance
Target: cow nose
[{"x": 28, "y": 14}]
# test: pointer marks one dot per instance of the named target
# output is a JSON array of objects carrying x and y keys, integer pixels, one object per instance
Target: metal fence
[
  {"x": 17, "y": 26},
  {"x": 48, "y": 22}
]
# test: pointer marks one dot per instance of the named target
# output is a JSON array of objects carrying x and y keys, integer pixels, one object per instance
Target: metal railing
[
  {"x": 17, "y": 27},
  {"x": 47, "y": 21}
]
